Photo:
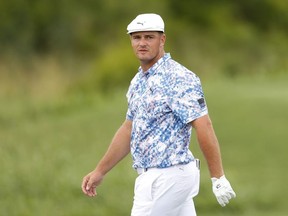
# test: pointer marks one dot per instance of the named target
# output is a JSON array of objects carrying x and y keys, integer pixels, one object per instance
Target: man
[{"x": 165, "y": 100}]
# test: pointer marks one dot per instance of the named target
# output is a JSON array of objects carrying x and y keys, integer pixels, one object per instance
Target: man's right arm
[{"x": 118, "y": 149}]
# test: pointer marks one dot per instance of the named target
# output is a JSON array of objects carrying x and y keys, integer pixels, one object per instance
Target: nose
[{"x": 142, "y": 41}]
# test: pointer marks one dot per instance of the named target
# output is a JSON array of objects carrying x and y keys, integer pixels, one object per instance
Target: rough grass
[{"x": 48, "y": 146}]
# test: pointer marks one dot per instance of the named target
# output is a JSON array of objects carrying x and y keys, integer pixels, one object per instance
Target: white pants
[{"x": 167, "y": 192}]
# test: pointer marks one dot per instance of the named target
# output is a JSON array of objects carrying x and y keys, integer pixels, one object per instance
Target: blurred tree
[
  {"x": 238, "y": 30},
  {"x": 263, "y": 15},
  {"x": 44, "y": 26},
  {"x": 266, "y": 15}
]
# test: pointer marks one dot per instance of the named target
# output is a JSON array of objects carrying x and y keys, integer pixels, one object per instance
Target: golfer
[{"x": 165, "y": 101}]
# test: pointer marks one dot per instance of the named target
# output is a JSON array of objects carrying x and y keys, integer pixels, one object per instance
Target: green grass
[{"x": 46, "y": 147}]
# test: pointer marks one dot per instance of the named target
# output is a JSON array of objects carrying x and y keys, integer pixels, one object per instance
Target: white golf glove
[{"x": 222, "y": 190}]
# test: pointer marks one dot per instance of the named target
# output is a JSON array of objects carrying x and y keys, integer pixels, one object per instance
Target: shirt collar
[{"x": 154, "y": 67}]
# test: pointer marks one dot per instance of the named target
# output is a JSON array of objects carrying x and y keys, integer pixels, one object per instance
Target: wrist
[
  {"x": 99, "y": 171},
  {"x": 213, "y": 179}
]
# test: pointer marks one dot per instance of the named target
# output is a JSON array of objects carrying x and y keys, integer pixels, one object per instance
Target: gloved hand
[{"x": 222, "y": 190}]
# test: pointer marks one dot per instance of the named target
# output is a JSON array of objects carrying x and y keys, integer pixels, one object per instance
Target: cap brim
[{"x": 144, "y": 30}]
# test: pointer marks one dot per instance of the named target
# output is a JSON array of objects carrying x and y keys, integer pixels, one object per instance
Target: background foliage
[
  {"x": 212, "y": 38},
  {"x": 42, "y": 26},
  {"x": 65, "y": 66}
]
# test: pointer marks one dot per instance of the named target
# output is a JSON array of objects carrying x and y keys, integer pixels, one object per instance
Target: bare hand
[{"x": 90, "y": 182}]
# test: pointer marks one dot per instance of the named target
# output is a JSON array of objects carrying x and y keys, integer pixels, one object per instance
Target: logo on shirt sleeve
[{"x": 201, "y": 103}]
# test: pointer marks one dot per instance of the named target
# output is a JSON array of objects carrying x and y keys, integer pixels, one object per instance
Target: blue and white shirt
[{"x": 161, "y": 103}]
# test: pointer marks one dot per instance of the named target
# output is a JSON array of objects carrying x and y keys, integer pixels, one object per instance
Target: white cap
[{"x": 146, "y": 22}]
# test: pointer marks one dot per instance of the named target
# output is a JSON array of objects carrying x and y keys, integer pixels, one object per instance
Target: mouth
[{"x": 142, "y": 50}]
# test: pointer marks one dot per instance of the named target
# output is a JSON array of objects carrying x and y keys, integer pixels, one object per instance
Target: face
[{"x": 148, "y": 47}]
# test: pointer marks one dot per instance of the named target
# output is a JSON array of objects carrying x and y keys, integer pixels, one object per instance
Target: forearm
[
  {"x": 118, "y": 149},
  {"x": 209, "y": 146},
  {"x": 211, "y": 152}
]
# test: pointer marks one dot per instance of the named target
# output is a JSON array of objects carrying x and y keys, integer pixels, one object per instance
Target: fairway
[{"x": 47, "y": 146}]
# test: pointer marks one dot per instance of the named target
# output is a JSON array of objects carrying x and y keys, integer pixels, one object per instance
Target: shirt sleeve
[
  {"x": 129, "y": 96},
  {"x": 186, "y": 97},
  {"x": 129, "y": 113}
]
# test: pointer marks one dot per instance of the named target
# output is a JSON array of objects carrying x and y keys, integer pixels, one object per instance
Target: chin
[{"x": 143, "y": 57}]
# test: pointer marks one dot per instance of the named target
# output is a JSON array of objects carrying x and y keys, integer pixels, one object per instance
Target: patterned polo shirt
[{"x": 161, "y": 103}]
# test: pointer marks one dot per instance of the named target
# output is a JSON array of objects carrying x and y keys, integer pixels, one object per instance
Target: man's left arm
[{"x": 209, "y": 145}]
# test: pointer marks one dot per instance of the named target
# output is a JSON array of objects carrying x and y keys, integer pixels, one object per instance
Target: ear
[{"x": 163, "y": 40}]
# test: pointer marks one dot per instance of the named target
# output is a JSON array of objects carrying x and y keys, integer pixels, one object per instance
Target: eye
[{"x": 136, "y": 37}]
